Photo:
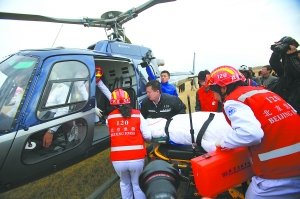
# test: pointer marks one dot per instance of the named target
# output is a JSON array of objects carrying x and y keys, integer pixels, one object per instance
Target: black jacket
[
  {"x": 167, "y": 107},
  {"x": 287, "y": 68},
  {"x": 288, "y": 65}
]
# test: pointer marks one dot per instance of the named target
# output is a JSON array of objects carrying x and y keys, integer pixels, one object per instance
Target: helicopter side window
[{"x": 67, "y": 90}]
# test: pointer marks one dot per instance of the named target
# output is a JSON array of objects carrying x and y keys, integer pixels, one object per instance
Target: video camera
[{"x": 284, "y": 45}]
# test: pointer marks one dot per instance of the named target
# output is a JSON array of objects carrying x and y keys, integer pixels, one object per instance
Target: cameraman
[{"x": 286, "y": 63}]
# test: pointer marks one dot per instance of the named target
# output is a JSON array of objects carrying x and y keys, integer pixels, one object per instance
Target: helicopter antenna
[
  {"x": 57, "y": 35},
  {"x": 194, "y": 69}
]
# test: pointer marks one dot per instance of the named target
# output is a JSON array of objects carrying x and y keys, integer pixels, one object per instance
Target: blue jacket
[
  {"x": 169, "y": 89},
  {"x": 251, "y": 82}
]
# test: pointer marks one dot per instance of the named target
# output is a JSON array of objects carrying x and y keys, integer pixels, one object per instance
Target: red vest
[
  {"x": 126, "y": 140},
  {"x": 278, "y": 154},
  {"x": 207, "y": 100}
]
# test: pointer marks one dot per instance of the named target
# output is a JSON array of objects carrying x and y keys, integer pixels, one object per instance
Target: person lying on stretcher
[{"x": 179, "y": 129}]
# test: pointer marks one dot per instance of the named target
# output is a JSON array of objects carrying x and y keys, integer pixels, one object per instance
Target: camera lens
[
  {"x": 273, "y": 47},
  {"x": 282, "y": 48},
  {"x": 278, "y": 49},
  {"x": 159, "y": 180}
]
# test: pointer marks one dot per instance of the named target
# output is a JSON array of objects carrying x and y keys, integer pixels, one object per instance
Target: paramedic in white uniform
[{"x": 127, "y": 129}]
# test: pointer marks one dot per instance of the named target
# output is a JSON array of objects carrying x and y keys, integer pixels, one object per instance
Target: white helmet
[{"x": 243, "y": 68}]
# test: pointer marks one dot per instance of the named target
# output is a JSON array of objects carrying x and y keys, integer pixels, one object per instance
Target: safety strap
[
  {"x": 167, "y": 130},
  {"x": 203, "y": 128}
]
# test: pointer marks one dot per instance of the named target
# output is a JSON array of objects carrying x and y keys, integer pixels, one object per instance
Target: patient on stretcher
[{"x": 179, "y": 129}]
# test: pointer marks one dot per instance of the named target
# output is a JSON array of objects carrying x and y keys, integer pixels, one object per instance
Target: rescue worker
[
  {"x": 127, "y": 128},
  {"x": 166, "y": 87},
  {"x": 205, "y": 98},
  {"x": 99, "y": 113},
  {"x": 266, "y": 124},
  {"x": 160, "y": 104}
]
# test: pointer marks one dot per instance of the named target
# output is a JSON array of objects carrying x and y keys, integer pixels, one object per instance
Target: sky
[{"x": 219, "y": 32}]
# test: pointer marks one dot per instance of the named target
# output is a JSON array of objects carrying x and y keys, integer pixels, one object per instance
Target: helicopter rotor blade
[
  {"x": 108, "y": 20},
  {"x": 29, "y": 17},
  {"x": 132, "y": 13}
]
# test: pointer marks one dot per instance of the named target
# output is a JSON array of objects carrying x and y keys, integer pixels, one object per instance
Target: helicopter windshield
[{"x": 15, "y": 73}]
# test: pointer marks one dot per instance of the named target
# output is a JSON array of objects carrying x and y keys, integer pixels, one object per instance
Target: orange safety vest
[
  {"x": 126, "y": 140},
  {"x": 278, "y": 154},
  {"x": 207, "y": 100}
]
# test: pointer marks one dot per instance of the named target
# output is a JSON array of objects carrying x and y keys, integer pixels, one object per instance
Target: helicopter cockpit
[{"x": 15, "y": 74}]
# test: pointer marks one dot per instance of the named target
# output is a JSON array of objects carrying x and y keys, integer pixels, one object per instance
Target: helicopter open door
[{"x": 118, "y": 74}]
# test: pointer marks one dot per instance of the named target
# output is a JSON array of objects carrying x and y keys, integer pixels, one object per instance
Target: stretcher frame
[{"x": 185, "y": 170}]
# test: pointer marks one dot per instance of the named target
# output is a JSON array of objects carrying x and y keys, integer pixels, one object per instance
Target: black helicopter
[{"x": 28, "y": 78}]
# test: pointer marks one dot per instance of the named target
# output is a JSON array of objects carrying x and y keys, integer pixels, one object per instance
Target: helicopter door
[
  {"x": 70, "y": 117},
  {"x": 65, "y": 93}
]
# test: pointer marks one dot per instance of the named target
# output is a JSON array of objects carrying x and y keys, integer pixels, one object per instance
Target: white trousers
[
  {"x": 129, "y": 172},
  {"x": 284, "y": 188}
]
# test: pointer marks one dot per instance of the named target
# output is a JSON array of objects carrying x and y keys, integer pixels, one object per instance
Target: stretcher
[
  {"x": 177, "y": 130},
  {"x": 180, "y": 157}
]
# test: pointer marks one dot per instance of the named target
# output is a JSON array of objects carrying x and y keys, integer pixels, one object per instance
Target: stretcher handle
[
  {"x": 189, "y": 107},
  {"x": 220, "y": 149},
  {"x": 191, "y": 123}
]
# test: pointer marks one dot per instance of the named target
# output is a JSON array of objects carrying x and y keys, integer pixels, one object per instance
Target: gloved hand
[
  {"x": 218, "y": 143},
  {"x": 98, "y": 112}
]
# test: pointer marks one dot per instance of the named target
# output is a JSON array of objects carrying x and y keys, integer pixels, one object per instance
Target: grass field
[{"x": 80, "y": 180}]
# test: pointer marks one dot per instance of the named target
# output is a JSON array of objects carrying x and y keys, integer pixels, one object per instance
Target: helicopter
[{"x": 29, "y": 78}]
